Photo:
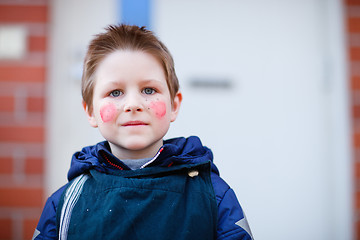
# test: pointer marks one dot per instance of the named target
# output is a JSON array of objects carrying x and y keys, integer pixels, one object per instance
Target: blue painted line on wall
[{"x": 135, "y": 12}]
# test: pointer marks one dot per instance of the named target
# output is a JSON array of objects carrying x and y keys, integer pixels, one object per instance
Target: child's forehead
[
  {"x": 126, "y": 59},
  {"x": 132, "y": 52},
  {"x": 122, "y": 67}
]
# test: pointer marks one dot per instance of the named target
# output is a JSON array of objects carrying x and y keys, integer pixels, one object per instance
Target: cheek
[
  {"x": 159, "y": 108},
  {"x": 108, "y": 112}
]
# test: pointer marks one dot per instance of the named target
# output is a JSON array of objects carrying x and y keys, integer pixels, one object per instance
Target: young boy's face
[{"x": 131, "y": 104}]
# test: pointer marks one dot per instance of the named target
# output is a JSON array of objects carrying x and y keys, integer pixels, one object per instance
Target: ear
[
  {"x": 90, "y": 115},
  {"x": 176, "y": 106}
]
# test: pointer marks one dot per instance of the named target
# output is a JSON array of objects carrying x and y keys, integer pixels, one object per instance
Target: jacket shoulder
[
  {"x": 232, "y": 222},
  {"x": 47, "y": 227},
  {"x": 220, "y": 187}
]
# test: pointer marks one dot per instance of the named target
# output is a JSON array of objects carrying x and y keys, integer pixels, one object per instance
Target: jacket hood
[{"x": 175, "y": 151}]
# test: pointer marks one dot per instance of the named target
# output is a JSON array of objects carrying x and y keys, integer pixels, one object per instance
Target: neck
[{"x": 122, "y": 153}]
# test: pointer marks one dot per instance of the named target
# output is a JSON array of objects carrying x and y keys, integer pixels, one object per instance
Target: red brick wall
[
  {"x": 22, "y": 111},
  {"x": 352, "y": 15}
]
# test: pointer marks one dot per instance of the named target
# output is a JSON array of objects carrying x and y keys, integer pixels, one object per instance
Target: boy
[{"x": 134, "y": 185}]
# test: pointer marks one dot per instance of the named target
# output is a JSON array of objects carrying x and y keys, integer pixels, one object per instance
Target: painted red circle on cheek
[
  {"x": 108, "y": 112},
  {"x": 159, "y": 108}
]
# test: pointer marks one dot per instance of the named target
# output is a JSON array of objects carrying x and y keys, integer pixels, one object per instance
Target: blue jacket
[{"x": 231, "y": 222}]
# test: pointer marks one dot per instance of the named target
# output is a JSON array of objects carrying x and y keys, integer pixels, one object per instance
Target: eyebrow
[
  {"x": 112, "y": 84},
  {"x": 150, "y": 81},
  {"x": 143, "y": 82}
]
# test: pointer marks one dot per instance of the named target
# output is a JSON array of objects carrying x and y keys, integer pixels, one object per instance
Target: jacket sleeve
[
  {"x": 232, "y": 222},
  {"x": 46, "y": 228}
]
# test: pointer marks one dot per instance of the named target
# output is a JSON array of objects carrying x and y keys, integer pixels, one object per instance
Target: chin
[
  {"x": 143, "y": 145},
  {"x": 136, "y": 146}
]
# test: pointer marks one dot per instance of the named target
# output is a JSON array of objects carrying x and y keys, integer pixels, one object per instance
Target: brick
[
  {"x": 5, "y": 228},
  {"x": 29, "y": 226},
  {"x": 21, "y": 134},
  {"x": 34, "y": 166},
  {"x": 354, "y": 25},
  {"x": 355, "y": 82},
  {"x": 37, "y": 43},
  {"x": 6, "y": 165},
  {"x": 7, "y": 103},
  {"x": 357, "y": 229},
  {"x": 22, "y": 73},
  {"x": 356, "y": 140},
  {"x": 355, "y": 53},
  {"x": 356, "y": 111},
  {"x": 352, "y": 2},
  {"x": 21, "y": 197},
  {"x": 23, "y": 13},
  {"x": 35, "y": 104}
]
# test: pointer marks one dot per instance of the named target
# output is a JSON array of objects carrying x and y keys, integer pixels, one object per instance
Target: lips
[{"x": 134, "y": 123}]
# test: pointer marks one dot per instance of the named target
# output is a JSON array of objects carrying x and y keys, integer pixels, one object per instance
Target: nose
[{"x": 133, "y": 104}]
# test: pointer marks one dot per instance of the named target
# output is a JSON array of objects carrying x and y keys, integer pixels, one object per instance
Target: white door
[
  {"x": 264, "y": 87},
  {"x": 257, "y": 83}
]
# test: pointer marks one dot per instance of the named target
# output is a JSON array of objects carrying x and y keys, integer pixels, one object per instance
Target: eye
[
  {"x": 149, "y": 91},
  {"x": 116, "y": 93}
]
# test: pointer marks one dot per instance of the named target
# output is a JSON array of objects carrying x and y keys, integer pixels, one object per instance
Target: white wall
[
  {"x": 280, "y": 135},
  {"x": 73, "y": 23}
]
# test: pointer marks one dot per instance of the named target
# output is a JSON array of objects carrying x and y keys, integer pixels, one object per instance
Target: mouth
[{"x": 134, "y": 123}]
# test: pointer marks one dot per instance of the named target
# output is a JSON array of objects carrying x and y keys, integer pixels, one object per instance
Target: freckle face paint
[
  {"x": 159, "y": 108},
  {"x": 108, "y": 112}
]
